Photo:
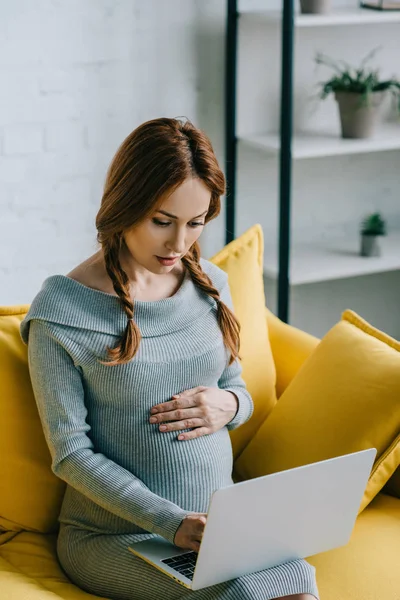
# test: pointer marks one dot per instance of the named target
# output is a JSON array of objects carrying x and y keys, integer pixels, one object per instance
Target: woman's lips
[{"x": 166, "y": 261}]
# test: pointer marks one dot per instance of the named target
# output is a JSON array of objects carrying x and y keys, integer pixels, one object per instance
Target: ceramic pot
[
  {"x": 370, "y": 245},
  {"x": 357, "y": 120},
  {"x": 315, "y": 7}
]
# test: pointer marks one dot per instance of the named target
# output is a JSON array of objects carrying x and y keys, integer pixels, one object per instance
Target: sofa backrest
[
  {"x": 242, "y": 259},
  {"x": 30, "y": 495}
]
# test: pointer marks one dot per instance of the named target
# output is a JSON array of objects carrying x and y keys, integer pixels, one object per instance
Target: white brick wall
[
  {"x": 77, "y": 77},
  {"x": 22, "y": 139}
]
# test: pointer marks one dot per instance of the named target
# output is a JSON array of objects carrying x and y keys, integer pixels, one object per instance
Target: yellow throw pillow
[
  {"x": 242, "y": 260},
  {"x": 345, "y": 398},
  {"x": 30, "y": 495}
]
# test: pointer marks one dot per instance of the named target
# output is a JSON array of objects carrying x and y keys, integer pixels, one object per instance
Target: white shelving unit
[
  {"x": 335, "y": 259},
  {"x": 350, "y": 16},
  {"x": 317, "y": 144},
  {"x": 333, "y": 182}
]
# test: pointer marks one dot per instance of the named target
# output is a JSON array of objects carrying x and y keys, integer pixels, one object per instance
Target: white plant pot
[{"x": 370, "y": 245}]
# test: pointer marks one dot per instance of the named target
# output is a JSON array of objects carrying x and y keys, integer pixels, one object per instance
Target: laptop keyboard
[{"x": 184, "y": 563}]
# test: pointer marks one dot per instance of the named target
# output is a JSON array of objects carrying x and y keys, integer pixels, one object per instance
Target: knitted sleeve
[{"x": 59, "y": 394}]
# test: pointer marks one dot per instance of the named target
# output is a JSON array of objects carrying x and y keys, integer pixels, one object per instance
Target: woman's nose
[{"x": 178, "y": 243}]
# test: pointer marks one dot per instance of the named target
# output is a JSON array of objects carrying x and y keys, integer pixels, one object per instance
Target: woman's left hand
[{"x": 206, "y": 409}]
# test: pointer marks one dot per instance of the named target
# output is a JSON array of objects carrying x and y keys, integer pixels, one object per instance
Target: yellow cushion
[
  {"x": 33, "y": 572},
  {"x": 290, "y": 348},
  {"x": 345, "y": 397},
  {"x": 242, "y": 260},
  {"x": 30, "y": 495},
  {"x": 367, "y": 567}
]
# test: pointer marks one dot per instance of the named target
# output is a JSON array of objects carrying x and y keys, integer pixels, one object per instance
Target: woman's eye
[
  {"x": 160, "y": 223},
  {"x": 166, "y": 223}
]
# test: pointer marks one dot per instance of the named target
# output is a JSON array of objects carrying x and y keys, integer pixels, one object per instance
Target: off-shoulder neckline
[
  {"x": 77, "y": 284},
  {"x": 66, "y": 302}
]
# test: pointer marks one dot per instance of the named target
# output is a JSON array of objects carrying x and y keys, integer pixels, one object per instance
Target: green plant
[
  {"x": 363, "y": 81},
  {"x": 373, "y": 224}
]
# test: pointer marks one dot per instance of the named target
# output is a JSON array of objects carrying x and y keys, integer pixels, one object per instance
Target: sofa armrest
[{"x": 290, "y": 348}]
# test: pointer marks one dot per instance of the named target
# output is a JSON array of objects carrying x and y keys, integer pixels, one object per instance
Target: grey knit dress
[{"x": 126, "y": 480}]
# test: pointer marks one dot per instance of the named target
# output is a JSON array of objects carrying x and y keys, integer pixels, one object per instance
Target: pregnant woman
[{"x": 134, "y": 362}]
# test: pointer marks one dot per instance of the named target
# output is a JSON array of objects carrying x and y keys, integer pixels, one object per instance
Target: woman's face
[{"x": 171, "y": 230}]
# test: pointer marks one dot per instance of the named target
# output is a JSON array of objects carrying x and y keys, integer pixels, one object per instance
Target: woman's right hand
[{"x": 190, "y": 532}]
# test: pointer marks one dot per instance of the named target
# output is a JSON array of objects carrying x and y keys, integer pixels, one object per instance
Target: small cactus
[{"x": 373, "y": 224}]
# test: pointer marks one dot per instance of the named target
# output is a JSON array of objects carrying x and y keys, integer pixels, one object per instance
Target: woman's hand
[
  {"x": 206, "y": 409},
  {"x": 190, "y": 532}
]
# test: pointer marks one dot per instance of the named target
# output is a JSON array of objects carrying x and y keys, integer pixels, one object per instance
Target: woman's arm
[
  {"x": 59, "y": 394},
  {"x": 231, "y": 380}
]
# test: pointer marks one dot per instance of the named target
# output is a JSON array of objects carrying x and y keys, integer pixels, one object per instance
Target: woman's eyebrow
[{"x": 174, "y": 217}]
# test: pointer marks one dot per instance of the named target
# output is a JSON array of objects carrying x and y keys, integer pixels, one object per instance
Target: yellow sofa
[{"x": 367, "y": 568}]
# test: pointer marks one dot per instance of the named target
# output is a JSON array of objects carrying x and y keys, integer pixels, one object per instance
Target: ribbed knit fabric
[{"x": 126, "y": 480}]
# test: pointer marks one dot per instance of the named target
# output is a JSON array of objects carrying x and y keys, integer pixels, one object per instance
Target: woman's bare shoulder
[{"x": 91, "y": 273}]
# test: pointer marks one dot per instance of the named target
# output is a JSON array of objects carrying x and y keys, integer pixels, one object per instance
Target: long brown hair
[{"x": 154, "y": 159}]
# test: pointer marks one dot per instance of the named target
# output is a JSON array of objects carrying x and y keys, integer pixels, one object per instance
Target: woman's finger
[
  {"x": 177, "y": 425},
  {"x": 191, "y": 392},
  {"x": 178, "y": 415},
  {"x": 200, "y": 529},
  {"x": 195, "y": 546},
  {"x": 197, "y": 432},
  {"x": 178, "y": 402}
]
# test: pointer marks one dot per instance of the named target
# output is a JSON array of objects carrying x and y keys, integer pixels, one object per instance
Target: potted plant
[
  {"x": 359, "y": 94},
  {"x": 315, "y": 7},
  {"x": 372, "y": 226},
  {"x": 381, "y": 4}
]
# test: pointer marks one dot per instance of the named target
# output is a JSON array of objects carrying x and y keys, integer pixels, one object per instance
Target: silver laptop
[{"x": 266, "y": 521}]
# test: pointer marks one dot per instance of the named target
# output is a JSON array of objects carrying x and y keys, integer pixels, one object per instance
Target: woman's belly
[{"x": 185, "y": 472}]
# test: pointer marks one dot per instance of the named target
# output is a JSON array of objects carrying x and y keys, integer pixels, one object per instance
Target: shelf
[
  {"x": 351, "y": 16},
  {"x": 337, "y": 259},
  {"x": 319, "y": 144}
]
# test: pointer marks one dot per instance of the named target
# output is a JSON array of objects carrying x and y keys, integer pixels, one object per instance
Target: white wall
[
  {"x": 77, "y": 77},
  {"x": 330, "y": 195}
]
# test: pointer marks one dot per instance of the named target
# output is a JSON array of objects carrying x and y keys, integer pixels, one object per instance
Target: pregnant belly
[{"x": 186, "y": 472}]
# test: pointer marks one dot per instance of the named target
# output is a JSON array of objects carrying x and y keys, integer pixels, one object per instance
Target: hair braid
[
  {"x": 227, "y": 320},
  {"x": 130, "y": 340}
]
